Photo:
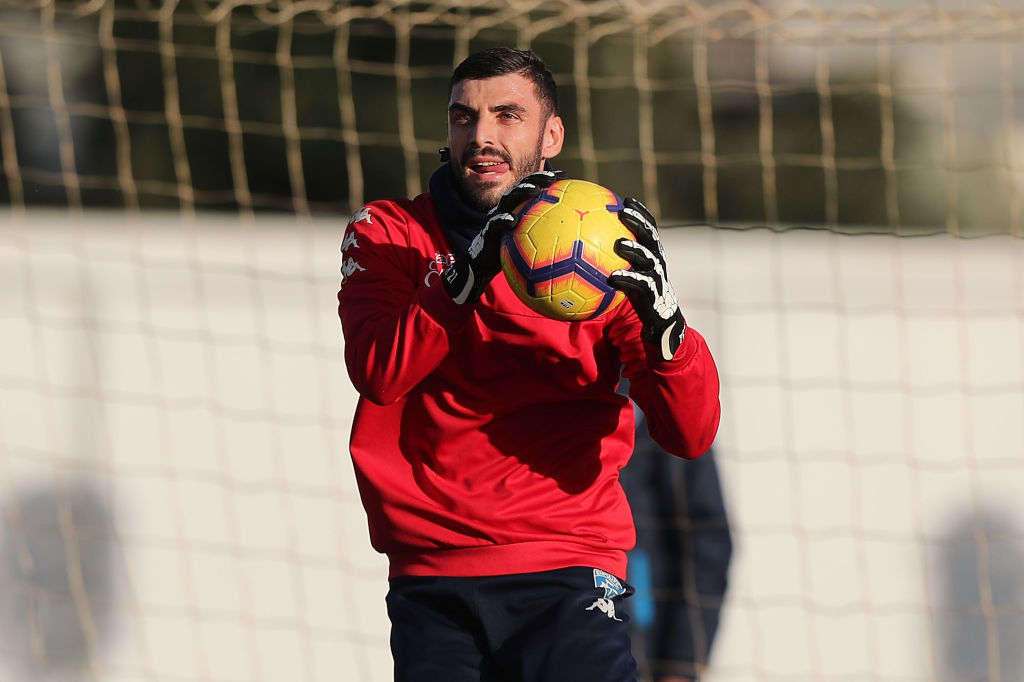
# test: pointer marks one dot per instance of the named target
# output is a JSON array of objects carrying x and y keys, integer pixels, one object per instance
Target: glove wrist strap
[
  {"x": 458, "y": 281},
  {"x": 669, "y": 337}
]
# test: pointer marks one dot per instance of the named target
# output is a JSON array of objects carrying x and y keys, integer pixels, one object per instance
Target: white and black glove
[
  {"x": 466, "y": 279},
  {"x": 647, "y": 284}
]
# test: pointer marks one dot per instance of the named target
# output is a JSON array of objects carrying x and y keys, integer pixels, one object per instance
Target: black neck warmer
[{"x": 459, "y": 220}]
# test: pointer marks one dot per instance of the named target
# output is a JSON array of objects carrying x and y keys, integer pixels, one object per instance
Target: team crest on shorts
[{"x": 612, "y": 588}]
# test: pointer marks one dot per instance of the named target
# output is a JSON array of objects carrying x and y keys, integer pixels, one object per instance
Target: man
[{"x": 487, "y": 439}]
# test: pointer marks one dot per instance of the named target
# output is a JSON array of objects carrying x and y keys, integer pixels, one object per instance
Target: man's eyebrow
[
  {"x": 465, "y": 108},
  {"x": 513, "y": 107}
]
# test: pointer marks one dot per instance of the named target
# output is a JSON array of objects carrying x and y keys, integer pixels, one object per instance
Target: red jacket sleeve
[
  {"x": 687, "y": 389},
  {"x": 680, "y": 397},
  {"x": 396, "y": 322}
]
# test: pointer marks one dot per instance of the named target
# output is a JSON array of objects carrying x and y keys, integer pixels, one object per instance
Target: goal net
[{"x": 840, "y": 185}]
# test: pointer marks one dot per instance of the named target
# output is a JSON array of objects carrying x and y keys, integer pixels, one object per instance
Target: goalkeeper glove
[
  {"x": 466, "y": 279},
  {"x": 647, "y": 284}
]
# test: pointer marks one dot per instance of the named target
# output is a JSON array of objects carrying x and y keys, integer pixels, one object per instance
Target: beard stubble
[{"x": 484, "y": 198}]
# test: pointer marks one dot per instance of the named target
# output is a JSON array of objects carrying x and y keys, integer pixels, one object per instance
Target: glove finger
[
  {"x": 500, "y": 222},
  {"x": 516, "y": 195},
  {"x": 534, "y": 182},
  {"x": 637, "y": 224},
  {"x": 527, "y": 188},
  {"x": 542, "y": 178},
  {"x": 636, "y": 254},
  {"x": 639, "y": 287},
  {"x": 511, "y": 199},
  {"x": 545, "y": 178},
  {"x": 641, "y": 223},
  {"x": 638, "y": 206}
]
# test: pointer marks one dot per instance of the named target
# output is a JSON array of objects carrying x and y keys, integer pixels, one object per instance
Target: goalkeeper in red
[{"x": 488, "y": 440}]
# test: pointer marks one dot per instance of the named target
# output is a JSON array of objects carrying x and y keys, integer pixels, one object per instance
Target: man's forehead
[{"x": 509, "y": 88}]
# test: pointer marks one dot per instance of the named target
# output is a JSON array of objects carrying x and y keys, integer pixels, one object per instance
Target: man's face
[{"x": 498, "y": 132}]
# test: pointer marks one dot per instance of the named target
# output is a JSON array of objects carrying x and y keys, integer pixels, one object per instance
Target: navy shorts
[{"x": 567, "y": 625}]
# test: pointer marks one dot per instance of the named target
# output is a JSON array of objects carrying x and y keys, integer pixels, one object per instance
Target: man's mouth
[{"x": 489, "y": 168}]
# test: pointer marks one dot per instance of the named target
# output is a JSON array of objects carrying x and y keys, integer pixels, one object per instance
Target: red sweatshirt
[{"x": 488, "y": 439}]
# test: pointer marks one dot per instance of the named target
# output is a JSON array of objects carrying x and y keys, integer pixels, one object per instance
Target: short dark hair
[{"x": 498, "y": 61}]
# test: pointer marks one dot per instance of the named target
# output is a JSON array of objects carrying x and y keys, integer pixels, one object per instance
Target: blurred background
[{"x": 840, "y": 186}]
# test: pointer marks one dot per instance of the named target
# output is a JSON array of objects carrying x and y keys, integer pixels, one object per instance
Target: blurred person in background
[{"x": 680, "y": 565}]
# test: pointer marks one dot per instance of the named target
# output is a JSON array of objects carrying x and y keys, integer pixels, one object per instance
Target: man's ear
[{"x": 554, "y": 136}]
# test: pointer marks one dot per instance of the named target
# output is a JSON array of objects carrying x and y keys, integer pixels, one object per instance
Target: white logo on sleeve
[
  {"x": 349, "y": 267},
  {"x": 361, "y": 215}
]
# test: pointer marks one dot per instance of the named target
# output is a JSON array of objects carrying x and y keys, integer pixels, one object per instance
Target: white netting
[{"x": 174, "y": 410}]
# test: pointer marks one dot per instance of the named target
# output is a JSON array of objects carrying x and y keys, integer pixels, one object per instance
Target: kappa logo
[
  {"x": 436, "y": 266},
  {"x": 612, "y": 587},
  {"x": 361, "y": 215},
  {"x": 605, "y": 606},
  {"x": 349, "y": 268}
]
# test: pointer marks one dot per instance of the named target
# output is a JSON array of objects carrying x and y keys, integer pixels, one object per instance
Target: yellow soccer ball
[{"x": 560, "y": 254}]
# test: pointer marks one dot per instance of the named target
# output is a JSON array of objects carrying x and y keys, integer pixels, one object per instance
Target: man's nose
[{"x": 484, "y": 134}]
